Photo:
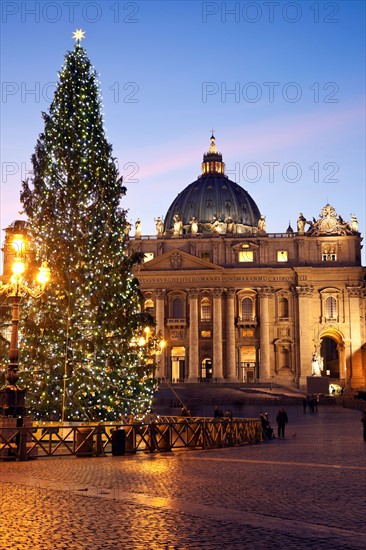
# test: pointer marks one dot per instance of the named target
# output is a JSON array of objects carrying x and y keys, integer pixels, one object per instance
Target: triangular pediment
[{"x": 177, "y": 260}]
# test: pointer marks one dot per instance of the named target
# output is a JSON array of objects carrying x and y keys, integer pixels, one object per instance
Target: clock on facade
[{"x": 328, "y": 225}]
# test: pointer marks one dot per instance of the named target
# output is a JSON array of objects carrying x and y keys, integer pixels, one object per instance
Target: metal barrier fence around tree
[{"x": 38, "y": 440}]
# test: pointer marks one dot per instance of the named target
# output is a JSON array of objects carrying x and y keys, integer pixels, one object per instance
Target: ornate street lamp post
[{"x": 12, "y": 397}]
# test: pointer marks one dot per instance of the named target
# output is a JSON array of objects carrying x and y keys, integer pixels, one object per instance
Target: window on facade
[
  {"x": 206, "y": 333},
  {"x": 177, "y": 308},
  {"x": 330, "y": 308},
  {"x": 247, "y": 309},
  {"x": 282, "y": 255},
  {"x": 283, "y": 308},
  {"x": 329, "y": 253},
  {"x": 247, "y": 333},
  {"x": 246, "y": 256},
  {"x": 149, "y": 307},
  {"x": 205, "y": 309}
]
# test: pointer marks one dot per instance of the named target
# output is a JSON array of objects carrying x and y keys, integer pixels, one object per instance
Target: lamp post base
[{"x": 12, "y": 401}]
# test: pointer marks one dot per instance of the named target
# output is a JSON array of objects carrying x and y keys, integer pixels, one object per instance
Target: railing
[
  {"x": 175, "y": 321},
  {"x": 162, "y": 435},
  {"x": 252, "y": 234},
  {"x": 246, "y": 321}
]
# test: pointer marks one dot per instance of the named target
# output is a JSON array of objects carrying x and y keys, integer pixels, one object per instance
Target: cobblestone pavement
[{"x": 306, "y": 491}]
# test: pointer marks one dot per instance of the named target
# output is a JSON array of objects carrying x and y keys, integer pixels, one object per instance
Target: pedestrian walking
[
  {"x": 363, "y": 420},
  {"x": 281, "y": 420},
  {"x": 305, "y": 402}
]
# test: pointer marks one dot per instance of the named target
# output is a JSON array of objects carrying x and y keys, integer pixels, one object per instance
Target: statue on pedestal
[
  {"x": 178, "y": 226},
  {"x": 317, "y": 364},
  {"x": 194, "y": 226},
  {"x": 354, "y": 224},
  {"x": 301, "y": 221},
  {"x": 262, "y": 224},
  {"x": 138, "y": 229},
  {"x": 230, "y": 225},
  {"x": 159, "y": 224}
]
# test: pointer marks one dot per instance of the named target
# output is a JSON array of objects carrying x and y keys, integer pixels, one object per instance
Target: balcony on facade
[
  {"x": 246, "y": 321},
  {"x": 179, "y": 322}
]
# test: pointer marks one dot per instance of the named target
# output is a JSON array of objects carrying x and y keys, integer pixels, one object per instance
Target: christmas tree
[{"x": 82, "y": 357}]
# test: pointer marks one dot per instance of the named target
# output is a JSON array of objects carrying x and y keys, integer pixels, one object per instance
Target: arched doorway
[
  {"x": 178, "y": 356},
  {"x": 248, "y": 363},
  {"x": 330, "y": 354},
  {"x": 206, "y": 369}
]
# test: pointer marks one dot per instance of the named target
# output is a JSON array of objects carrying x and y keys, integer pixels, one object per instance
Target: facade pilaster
[
  {"x": 217, "y": 334},
  {"x": 230, "y": 335},
  {"x": 265, "y": 294},
  {"x": 304, "y": 337},
  {"x": 193, "y": 367},
  {"x": 354, "y": 376},
  {"x": 160, "y": 327}
]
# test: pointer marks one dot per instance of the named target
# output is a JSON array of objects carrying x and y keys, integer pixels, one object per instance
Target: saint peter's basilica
[{"x": 237, "y": 303}]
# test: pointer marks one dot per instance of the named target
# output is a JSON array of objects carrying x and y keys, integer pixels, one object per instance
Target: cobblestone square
[{"x": 306, "y": 491}]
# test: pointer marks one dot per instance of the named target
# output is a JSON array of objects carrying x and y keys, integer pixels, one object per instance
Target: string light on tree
[{"x": 77, "y": 355}]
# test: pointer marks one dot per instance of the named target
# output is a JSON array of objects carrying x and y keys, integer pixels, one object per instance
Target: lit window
[
  {"x": 205, "y": 309},
  {"x": 331, "y": 308},
  {"x": 148, "y": 256},
  {"x": 149, "y": 307},
  {"x": 247, "y": 333},
  {"x": 206, "y": 333},
  {"x": 246, "y": 256},
  {"x": 282, "y": 256},
  {"x": 329, "y": 252},
  {"x": 247, "y": 309}
]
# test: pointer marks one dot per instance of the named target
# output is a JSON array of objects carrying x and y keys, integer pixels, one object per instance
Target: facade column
[
  {"x": 217, "y": 334},
  {"x": 264, "y": 328},
  {"x": 230, "y": 335},
  {"x": 304, "y": 336},
  {"x": 355, "y": 376},
  {"x": 193, "y": 372},
  {"x": 160, "y": 327}
]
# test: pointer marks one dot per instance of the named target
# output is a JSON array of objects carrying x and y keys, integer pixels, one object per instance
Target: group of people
[
  {"x": 281, "y": 419},
  {"x": 219, "y": 414},
  {"x": 310, "y": 401}
]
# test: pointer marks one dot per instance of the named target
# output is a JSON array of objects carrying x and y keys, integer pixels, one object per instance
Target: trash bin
[{"x": 118, "y": 442}]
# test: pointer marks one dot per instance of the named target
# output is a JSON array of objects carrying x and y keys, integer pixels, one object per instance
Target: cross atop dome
[{"x": 212, "y": 148}]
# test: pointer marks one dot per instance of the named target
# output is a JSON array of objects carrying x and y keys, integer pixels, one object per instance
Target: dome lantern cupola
[
  {"x": 213, "y": 204},
  {"x": 212, "y": 160}
]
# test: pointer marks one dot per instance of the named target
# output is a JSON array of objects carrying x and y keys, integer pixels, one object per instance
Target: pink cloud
[{"x": 263, "y": 137}]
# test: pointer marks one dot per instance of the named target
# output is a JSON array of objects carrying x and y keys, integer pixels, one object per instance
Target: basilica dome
[{"x": 212, "y": 203}]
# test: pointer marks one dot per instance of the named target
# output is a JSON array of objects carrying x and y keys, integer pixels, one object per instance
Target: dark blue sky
[{"x": 282, "y": 84}]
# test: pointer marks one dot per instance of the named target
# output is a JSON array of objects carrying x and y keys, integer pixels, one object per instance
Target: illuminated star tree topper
[{"x": 78, "y": 35}]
